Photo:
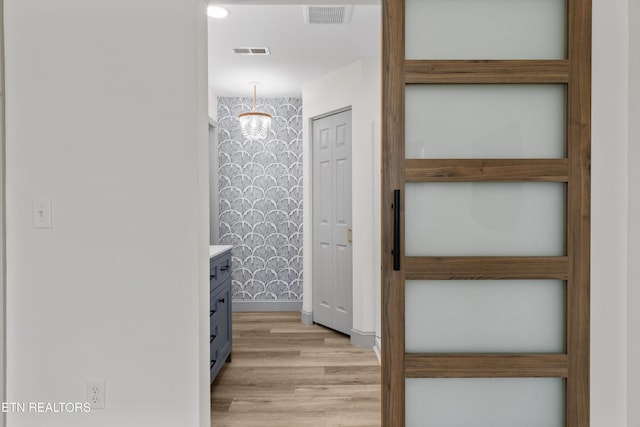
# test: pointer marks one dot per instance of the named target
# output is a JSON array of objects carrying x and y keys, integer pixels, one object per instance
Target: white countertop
[{"x": 215, "y": 250}]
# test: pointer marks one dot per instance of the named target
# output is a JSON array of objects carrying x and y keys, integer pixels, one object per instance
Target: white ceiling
[{"x": 299, "y": 52}]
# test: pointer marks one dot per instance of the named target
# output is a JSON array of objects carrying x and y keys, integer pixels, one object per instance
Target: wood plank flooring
[{"x": 286, "y": 374}]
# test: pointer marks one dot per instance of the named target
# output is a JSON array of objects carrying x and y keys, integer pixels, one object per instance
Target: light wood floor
[{"x": 286, "y": 374}]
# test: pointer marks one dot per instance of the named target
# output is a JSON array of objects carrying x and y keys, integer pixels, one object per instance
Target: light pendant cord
[{"x": 254, "y": 97}]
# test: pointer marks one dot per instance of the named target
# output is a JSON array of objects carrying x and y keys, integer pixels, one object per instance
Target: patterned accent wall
[{"x": 261, "y": 199}]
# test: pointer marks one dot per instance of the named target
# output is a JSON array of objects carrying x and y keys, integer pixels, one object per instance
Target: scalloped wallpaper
[{"x": 261, "y": 199}]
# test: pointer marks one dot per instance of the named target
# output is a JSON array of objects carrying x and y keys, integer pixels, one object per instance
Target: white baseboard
[
  {"x": 377, "y": 348},
  {"x": 307, "y": 318},
  {"x": 362, "y": 339},
  {"x": 242, "y": 305}
]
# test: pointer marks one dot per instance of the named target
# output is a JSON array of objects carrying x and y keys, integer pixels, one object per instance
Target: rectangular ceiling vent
[
  {"x": 251, "y": 51},
  {"x": 327, "y": 14}
]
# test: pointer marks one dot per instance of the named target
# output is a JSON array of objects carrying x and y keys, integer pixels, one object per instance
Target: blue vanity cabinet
[{"x": 219, "y": 310}]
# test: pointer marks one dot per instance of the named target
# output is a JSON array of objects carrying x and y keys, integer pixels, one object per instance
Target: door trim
[
  {"x": 214, "y": 185},
  {"x": 309, "y": 318},
  {"x": 331, "y": 113},
  {"x": 393, "y": 157},
  {"x": 3, "y": 240},
  {"x": 575, "y": 73},
  {"x": 578, "y": 212}
]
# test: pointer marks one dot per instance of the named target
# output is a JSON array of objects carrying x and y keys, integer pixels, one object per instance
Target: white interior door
[{"x": 332, "y": 250}]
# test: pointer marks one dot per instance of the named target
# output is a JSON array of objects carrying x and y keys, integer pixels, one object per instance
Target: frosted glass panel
[
  {"x": 486, "y": 316},
  {"x": 485, "y": 219},
  {"x": 485, "y": 402},
  {"x": 485, "y": 29},
  {"x": 485, "y": 121}
]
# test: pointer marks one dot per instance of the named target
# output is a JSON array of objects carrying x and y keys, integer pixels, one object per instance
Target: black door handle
[{"x": 396, "y": 230}]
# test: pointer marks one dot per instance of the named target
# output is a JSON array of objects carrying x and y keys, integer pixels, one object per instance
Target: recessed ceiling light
[{"x": 218, "y": 12}]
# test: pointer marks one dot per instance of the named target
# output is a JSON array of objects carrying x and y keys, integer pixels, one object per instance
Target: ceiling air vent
[
  {"x": 327, "y": 14},
  {"x": 251, "y": 51}
]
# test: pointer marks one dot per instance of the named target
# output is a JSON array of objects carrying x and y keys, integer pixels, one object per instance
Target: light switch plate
[{"x": 42, "y": 213}]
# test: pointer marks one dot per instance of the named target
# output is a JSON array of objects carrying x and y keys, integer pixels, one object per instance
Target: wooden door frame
[{"x": 574, "y": 170}]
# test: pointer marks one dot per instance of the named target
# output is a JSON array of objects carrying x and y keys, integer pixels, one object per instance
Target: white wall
[
  {"x": 356, "y": 85},
  {"x": 609, "y": 213},
  {"x": 201, "y": 204},
  {"x": 633, "y": 301},
  {"x": 107, "y": 116}
]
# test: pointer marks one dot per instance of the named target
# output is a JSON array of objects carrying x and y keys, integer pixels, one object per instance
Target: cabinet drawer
[
  {"x": 213, "y": 334},
  {"x": 214, "y": 367},
  {"x": 218, "y": 302},
  {"x": 216, "y": 311},
  {"x": 219, "y": 270},
  {"x": 219, "y": 318}
]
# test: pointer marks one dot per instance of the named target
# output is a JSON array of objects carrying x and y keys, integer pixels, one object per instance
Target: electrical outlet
[{"x": 95, "y": 393}]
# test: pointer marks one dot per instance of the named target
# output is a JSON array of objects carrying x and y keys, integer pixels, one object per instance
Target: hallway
[{"x": 284, "y": 374}]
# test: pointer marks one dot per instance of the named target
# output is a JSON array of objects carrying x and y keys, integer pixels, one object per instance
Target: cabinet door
[
  {"x": 219, "y": 270},
  {"x": 220, "y": 327}
]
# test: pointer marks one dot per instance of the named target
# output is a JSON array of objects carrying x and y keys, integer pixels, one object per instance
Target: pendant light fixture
[{"x": 254, "y": 125}]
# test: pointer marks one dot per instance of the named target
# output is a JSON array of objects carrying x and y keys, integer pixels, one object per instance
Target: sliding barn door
[{"x": 486, "y": 193}]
